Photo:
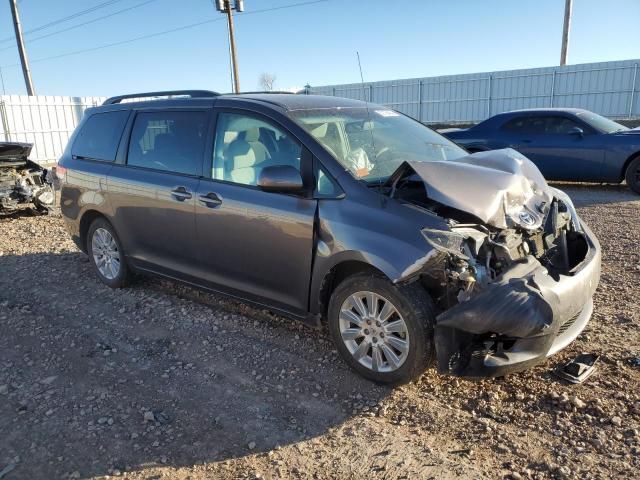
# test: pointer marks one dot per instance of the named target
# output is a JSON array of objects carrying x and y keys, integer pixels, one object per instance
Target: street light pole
[
  {"x": 23, "y": 53},
  {"x": 568, "y": 6},
  {"x": 224, "y": 6}
]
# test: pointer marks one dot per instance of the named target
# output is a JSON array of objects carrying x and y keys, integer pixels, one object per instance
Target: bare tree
[{"x": 267, "y": 81}]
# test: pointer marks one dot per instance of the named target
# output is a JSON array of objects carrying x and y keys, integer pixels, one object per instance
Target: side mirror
[
  {"x": 280, "y": 178},
  {"x": 577, "y": 131}
]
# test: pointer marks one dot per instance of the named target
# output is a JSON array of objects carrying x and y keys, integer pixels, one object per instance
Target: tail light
[{"x": 61, "y": 172}]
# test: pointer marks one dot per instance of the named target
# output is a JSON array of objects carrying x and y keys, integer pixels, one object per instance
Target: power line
[
  {"x": 73, "y": 27},
  {"x": 72, "y": 16},
  {"x": 67, "y": 18},
  {"x": 164, "y": 32}
]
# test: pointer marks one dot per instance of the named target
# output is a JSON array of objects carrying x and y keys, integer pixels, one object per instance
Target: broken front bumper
[{"x": 520, "y": 319}]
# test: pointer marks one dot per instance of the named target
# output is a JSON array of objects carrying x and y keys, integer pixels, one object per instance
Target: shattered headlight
[
  {"x": 445, "y": 241},
  {"x": 564, "y": 198}
]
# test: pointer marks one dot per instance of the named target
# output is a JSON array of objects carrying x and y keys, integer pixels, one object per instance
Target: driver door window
[
  {"x": 244, "y": 145},
  {"x": 559, "y": 125}
]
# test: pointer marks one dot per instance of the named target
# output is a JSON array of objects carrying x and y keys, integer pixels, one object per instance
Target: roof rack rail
[
  {"x": 279, "y": 92},
  {"x": 187, "y": 93}
]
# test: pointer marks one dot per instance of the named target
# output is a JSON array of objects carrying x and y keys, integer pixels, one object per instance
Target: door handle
[
  {"x": 181, "y": 194},
  {"x": 210, "y": 199},
  {"x": 525, "y": 141}
]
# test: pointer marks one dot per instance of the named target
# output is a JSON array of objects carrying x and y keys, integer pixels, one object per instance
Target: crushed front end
[
  {"x": 517, "y": 270},
  {"x": 516, "y": 304},
  {"x": 23, "y": 181}
]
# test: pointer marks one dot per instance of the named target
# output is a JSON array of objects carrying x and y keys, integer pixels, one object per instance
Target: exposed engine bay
[
  {"x": 494, "y": 274},
  {"x": 478, "y": 255},
  {"x": 23, "y": 181},
  {"x": 500, "y": 211}
]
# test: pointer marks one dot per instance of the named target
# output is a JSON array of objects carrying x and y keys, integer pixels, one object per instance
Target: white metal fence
[
  {"x": 45, "y": 121},
  {"x": 611, "y": 89}
]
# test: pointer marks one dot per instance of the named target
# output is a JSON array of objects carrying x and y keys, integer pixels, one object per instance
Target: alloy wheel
[
  {"x": 105, "y": 253},
  {"x": 374, "y": 332}
]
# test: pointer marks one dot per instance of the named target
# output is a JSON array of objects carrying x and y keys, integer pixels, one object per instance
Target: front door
[
  {"x": 153, "y": 195},
  {"x": 251, "y": 242},
  {"x": 555, "y": 145}
]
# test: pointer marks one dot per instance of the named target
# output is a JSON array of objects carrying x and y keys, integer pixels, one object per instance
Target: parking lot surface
[{"x": 164, "y": 381}]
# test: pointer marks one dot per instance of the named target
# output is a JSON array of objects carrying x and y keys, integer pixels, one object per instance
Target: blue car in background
[{"x": 565, "y": 143}]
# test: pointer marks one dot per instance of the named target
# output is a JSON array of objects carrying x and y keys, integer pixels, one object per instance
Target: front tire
[
  {"x": 632, "y": 175},
  {"x": 384, "y": 332},
  {"x": 106, "y": 254}
]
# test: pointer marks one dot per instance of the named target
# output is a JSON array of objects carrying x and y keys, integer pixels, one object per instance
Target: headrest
[
  {"x": 252, "y": 134},
  {"x": 320, "y": 131},
  {"x": 241, "y": 155},
  {"x": 230, "y": 136}
]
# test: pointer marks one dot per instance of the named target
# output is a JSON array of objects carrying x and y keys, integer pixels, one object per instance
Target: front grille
[{"x": 567, "y": 325}]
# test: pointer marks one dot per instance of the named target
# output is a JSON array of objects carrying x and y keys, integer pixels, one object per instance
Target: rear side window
[
  {"x": 525, "y": 125},
  {"x": 170, "y": 141},
  {"x": 99, "y": 136}
]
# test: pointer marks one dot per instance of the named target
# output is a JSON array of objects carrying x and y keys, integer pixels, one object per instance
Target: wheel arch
[
  {"x": 627, "y": 162},
  {"x": 336, "y": 274},
  {"x": 86, "y": 220}
]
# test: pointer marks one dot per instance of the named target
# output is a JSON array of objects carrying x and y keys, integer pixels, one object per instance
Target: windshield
[
  {"x": 372, "y": 143},
  {"x": 601, "y": 123}
]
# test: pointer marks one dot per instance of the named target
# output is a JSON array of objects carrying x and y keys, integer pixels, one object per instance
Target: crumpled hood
[
  {"x": 14, "y": 151},
  {"x": 500, "y": 187}
]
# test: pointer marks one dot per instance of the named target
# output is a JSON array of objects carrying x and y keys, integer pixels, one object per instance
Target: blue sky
[{"x": 313, "y": 43}]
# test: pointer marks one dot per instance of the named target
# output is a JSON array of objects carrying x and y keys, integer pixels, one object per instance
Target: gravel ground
[{"x": 162, "y": 381}]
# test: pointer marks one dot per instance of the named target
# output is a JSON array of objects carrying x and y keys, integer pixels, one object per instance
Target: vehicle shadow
[
  {"x": 99, "y": 380},
  {"x": 590, "y": 194}
]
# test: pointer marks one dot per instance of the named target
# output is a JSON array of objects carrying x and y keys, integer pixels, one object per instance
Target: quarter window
[
  {"x": 244, "y": 145},
  {"x": 325, "y": 186},
  {"x": 170, "y": 141},
  {"x": 99, "y": 136}
]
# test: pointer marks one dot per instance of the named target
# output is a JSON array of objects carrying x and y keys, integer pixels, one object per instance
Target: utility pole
[
  {"x": 23, "y": 53},
  {"x": 224, "y": 6},
  {"x": 568, "y": 6}
]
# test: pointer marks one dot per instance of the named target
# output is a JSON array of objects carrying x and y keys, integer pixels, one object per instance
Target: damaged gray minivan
[{"x": 334, "y": 210}]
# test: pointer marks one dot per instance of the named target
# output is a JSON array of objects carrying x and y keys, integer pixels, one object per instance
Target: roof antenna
[
  {"x": 373, "y": 144},
  {"x": 361, "y": 76}
]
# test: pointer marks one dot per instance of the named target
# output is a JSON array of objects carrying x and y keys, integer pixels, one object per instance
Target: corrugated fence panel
[
  {"x": 45, "y": 121},
  {"x": 607, "y": 88}
]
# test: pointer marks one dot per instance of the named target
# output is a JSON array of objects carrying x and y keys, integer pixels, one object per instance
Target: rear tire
[
  {"x": 394, "y": 351},
  {"x": 632, "y": 175},
  {"x": 106, "y": 254}
]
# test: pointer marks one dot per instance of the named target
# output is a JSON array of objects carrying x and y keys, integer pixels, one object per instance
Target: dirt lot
[{"x": 162, "y": 381}]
